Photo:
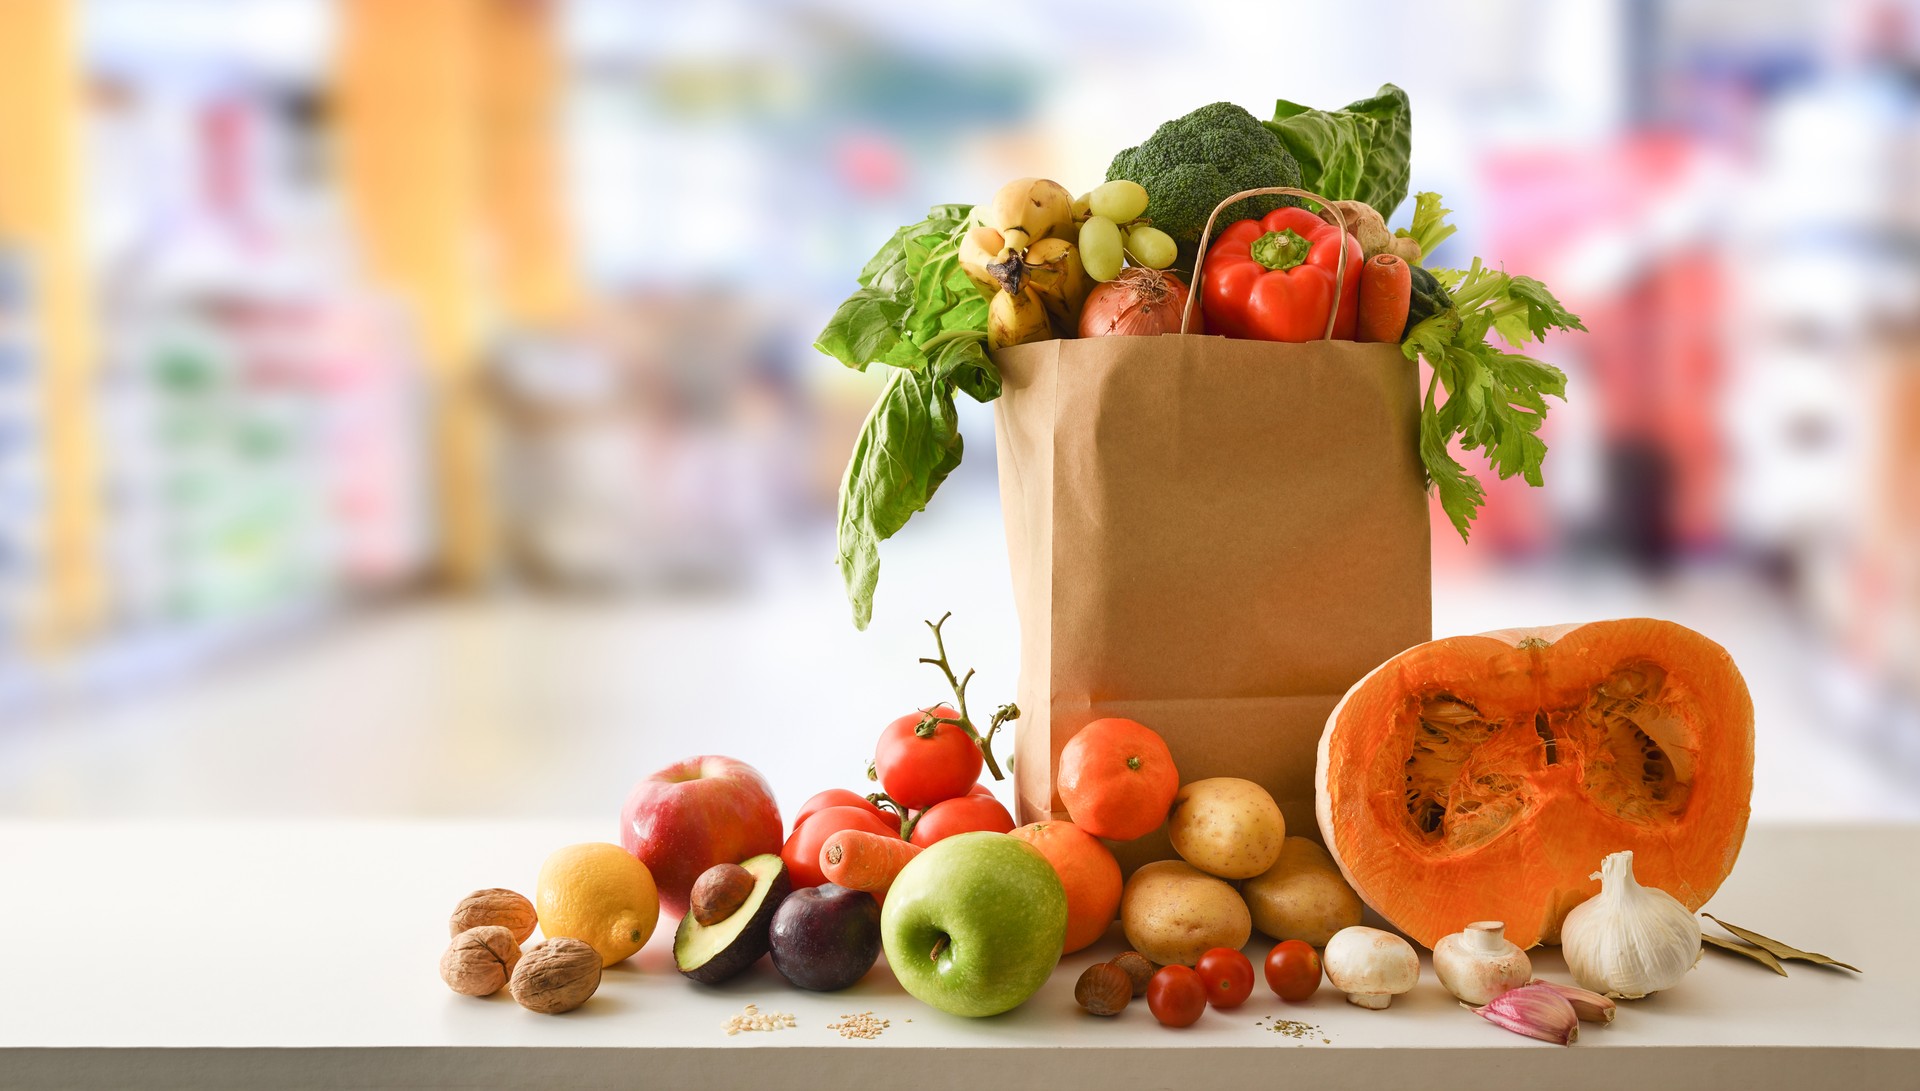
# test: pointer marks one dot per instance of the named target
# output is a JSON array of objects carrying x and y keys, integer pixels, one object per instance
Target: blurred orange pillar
[
  {"x": 536, "y": 271},
  {"x": 447, "y": 144},
  {"x": 42, "y": 111}
]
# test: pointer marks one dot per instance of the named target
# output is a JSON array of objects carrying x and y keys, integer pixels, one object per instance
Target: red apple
[{"x": 694, "y": 814}]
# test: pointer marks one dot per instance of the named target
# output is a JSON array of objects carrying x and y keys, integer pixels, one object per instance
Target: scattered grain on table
[
  {"x": 1295, "y": 1029},
  {"x": 752, "y": 1018},
  {"x": 862, "y": 1024}
]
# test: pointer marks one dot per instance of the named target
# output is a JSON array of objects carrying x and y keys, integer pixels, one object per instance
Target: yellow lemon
[{"x": 598, "y": 893}]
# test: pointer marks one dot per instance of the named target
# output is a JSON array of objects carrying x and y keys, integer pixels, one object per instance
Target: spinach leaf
[
  {"x": 866, "y": 328},
  {"x": 909, "y": 444},
  {"x": 917, "y": 312},
  {"x": 909, "y": 290},
  {"x": 1360, "y": 153}
]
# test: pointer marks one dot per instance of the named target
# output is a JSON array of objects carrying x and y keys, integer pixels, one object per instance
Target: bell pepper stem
[{"x": 1280, "y": 249}]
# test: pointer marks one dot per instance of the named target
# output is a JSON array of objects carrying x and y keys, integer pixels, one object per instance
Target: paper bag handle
[{"x": 1340, "y": 267}]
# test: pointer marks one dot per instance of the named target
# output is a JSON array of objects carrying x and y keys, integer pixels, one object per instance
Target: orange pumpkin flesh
[{"x": 1484, "y": 777}]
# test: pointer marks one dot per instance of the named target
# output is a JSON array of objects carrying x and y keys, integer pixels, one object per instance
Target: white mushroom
[{"x": 1370, "y": 966}]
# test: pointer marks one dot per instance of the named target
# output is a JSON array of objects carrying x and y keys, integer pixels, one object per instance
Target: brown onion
[{"x": 1137, "y": 302}]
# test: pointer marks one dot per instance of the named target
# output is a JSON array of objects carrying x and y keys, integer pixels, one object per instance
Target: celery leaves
[{"x": 1496, "y": 400}]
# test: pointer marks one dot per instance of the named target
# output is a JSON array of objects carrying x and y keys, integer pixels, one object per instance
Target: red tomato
[
  {"x": 922, "y": 762},
  {"x": 802, "y": 850},
  {"x": 834, "y": 797},
  {"x": 1176, "y": 996},
  {"x": 981, "y": 790},
  {"x": 1227, "y": 975},
  {"x": 1293, "y": 970},
  {"x": 963, "y": 815}
]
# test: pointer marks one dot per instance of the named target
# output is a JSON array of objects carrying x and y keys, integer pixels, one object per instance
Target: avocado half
[{"x": 712, "y": 953}]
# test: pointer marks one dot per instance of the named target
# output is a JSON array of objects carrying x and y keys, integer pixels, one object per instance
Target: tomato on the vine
[
  {"x": 1227, "y": 975},
  {"x": 835, "y": 797},
  {"x": 802, "y": 850},
  {"x": 1176, "y": 996},
  {"x": 922, "y": 761},
  {"x": 1293, "y": 970},
  {"x": 963, "y": 815}
]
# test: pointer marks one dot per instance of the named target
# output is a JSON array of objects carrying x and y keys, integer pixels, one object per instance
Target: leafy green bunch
[
  {"x": 917, "y": 313},
  {"x": 1496, "y": 399}
]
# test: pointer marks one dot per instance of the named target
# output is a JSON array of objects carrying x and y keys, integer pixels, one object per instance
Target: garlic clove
[
  {"x": 1536, "y": 1011},
  {"x": 1590, "y": 1006}
]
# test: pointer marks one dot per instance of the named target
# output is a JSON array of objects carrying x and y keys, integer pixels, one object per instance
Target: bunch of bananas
[{"x": 1020, "y": 253}]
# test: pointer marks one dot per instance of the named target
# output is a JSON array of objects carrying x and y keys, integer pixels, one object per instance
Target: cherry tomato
[
  {"x": 1176, "y": 996},
  {"x": 922, "y": 761},
  {"x": 802, "y": 850},
  {"x": 1227, "y": 975},
  {"x": 963, "y": 815},
  {"x": 1293, "y": 970},
  {"x": 834, "y": 797}
]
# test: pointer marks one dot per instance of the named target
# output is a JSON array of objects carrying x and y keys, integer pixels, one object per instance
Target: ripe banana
[
  {"x": 980, "y": 248},
  {"x": 1054, "y": 271},
  {"x": 1027, "y": 210},
  {"x": 1015, "y": 318}
]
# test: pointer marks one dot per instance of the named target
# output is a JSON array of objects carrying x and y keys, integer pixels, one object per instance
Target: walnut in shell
[
  {"x": 556, "y": 975},
  {"x": 495, "y": 905},
  {"x": 480, "y": 960}
]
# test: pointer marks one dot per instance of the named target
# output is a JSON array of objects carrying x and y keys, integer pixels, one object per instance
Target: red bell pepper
[{"x": 1272, "y": 279}]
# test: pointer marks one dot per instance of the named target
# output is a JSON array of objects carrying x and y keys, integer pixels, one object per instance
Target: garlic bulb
[
  {"x": 1629, "y": 940},
  {"x": 1480, "y": 963}
]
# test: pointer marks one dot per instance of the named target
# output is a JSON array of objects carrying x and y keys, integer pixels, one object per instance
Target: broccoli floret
[{"x": 1192, "y": 163}]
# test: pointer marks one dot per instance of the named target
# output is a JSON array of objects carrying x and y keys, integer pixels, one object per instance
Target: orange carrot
[
  {"x": 1386, "y": 291},
  {"x": 859, "y": 860}
]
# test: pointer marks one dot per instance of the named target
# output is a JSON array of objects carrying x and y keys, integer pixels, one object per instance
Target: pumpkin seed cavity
[
  {"x": 1467, "y": 776},
  {"x": 1636, "y": 757}
]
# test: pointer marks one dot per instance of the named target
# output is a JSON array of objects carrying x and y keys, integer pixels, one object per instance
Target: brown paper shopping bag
[{"x": 1213, "y": 537}]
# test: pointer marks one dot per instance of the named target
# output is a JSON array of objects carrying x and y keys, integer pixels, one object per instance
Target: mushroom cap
[{"x": 1369, "y": 961}]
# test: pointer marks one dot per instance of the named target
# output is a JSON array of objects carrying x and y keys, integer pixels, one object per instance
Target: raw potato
[
  {"x": 1174, "y": 912},
  {"x": 1302, "y": 896},
  {"x": 1227, "y": 826}
]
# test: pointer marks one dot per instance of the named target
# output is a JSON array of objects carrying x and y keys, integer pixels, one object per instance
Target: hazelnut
[
  {"x": 719, "y": 891},
  {"x": 1104, "y": 989},
  {"x": 480, "y": 960},
  {"x": 495, "y": 905},
  {"x": 1138, "y": 969},
  {"x": 556, "y": 975}
]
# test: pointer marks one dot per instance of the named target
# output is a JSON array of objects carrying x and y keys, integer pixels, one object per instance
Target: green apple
[{"x": 974, "y": 925}]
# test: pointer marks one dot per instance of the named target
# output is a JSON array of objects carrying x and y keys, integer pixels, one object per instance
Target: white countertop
[{"x": 305, "y": 953}]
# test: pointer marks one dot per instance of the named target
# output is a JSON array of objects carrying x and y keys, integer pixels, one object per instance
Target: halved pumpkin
[{"x": 1484, "y": 777}]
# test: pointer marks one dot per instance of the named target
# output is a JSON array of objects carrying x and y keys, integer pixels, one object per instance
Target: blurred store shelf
[
  {"x": 542, "y": 707},
  {"x": 277, "y": 351}
]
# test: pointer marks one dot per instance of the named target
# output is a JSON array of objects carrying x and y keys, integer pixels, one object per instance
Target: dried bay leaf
[
  {"x": 1776, "y": 948},
  {"x": 1754, "y": 953}
]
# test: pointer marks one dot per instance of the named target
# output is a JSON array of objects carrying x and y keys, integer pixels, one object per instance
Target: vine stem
[
  {"x": 908, "y": 819},
  {"x": 959, "y": 684}
]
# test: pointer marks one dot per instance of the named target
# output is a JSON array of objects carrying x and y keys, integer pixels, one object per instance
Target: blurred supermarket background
[{"x": 407, "y": 407}]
